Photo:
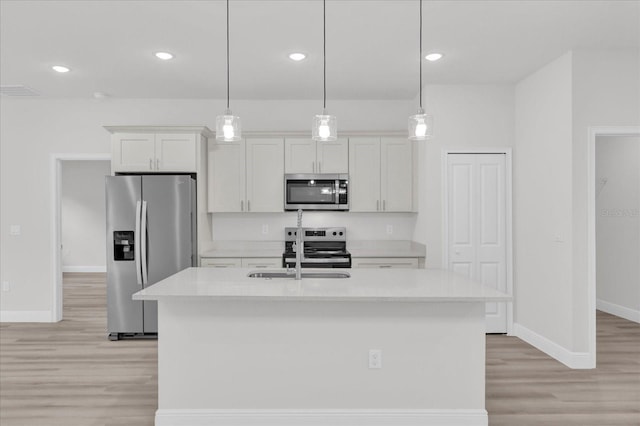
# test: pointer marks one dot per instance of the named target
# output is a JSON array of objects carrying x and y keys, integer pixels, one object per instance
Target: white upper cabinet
[
  {"x": 380, "y": 174},
  {"x": 304, "y": 155},
  {"x": 246, "y": 176},
  {"x": 265, "y": 175},
  {"x": 226, "y": 176},
  {"x": 154, "y": 152}
]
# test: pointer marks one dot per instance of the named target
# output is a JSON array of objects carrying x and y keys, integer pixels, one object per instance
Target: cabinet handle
[
  {"x": 157, "y": 164},
  {"x": 319, "y": 167},
  {"x": 384, "y": 205},
  {"x": 385, "y": 266},
  {"x": 150, "y": 163},
  {"x": 377, "y": 205},
  {"x": 248, "y": 205},
  {"x": 241, "y": 205}
]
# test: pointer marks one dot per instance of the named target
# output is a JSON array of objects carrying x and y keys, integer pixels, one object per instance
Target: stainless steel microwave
[{"x": 322, "y": 191}]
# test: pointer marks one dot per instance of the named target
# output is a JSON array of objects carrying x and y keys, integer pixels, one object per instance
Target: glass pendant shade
[
  {"x": 228, "y": 127},
  {"x": 325, "y": 127},
  {"x": 420, "y": 126}
]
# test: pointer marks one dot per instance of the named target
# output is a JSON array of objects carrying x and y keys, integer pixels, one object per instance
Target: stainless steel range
[{"x": 323, "y": 248}]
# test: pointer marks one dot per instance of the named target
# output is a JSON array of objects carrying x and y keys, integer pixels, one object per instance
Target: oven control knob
[
  {"x": 340, "y": 232},
  {"x": 289, "y": 232},
  {"x": 334, "y": 233}
]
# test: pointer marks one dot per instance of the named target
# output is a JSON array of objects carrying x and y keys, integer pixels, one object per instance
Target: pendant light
[
  {"x": 228, "y": 125},
  {"x": 421, "y": 124},
  {"x": 324, "y": 125}
]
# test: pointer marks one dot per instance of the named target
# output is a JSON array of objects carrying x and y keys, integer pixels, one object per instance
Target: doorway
[
  {"x": 618, "y": 225},
  {"x": 57, "y": 162},
  {"x": 477, "y": 224}
]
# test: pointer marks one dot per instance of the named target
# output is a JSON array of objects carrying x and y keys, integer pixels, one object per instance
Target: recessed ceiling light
[
  {"x": 165, "y": 56},
  {"x": 60, "y": 68},
  {"x": 433, "y": 56},
  {"x": 297, "y": 56}
]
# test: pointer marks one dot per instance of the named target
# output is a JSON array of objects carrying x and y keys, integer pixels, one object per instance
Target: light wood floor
[{"x": 70, "y": 374}]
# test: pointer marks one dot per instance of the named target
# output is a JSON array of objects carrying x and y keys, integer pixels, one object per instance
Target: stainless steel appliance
[
  {"x": 316, "y": 191},
  {"x": 151, "y": 234},
  {"x": 323, "y": 248}
]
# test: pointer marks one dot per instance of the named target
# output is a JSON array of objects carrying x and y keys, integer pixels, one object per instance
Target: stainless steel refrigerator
[{"x": 151, "y": 234}]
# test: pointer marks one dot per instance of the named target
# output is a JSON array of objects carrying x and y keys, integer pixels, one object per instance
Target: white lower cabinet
[
  {"x": 238, "y": 262},
  {"x": 262, "y": 262},
  {"x": 380, "y": 262},
  {"x": 221, "y": 262}
]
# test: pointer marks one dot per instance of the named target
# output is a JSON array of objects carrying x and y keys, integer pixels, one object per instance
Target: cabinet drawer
[
  {"x": 261, "y": 262},
  {"x": 397, "y": 262},
  {"x": 220, "y": 262}
]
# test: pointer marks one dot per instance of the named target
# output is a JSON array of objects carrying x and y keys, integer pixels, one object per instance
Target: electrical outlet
[
  {"x": 6, "y": 286},
  {"x": 389, "y": 229},
  {"x": 15, "y": 230},
  {"x": 375, "y": 358},
  {"x": 265, "y": 229}
]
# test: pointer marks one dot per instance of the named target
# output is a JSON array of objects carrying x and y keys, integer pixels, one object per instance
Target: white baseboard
[
  {"x": 617, "y": 310},
  {"x": 84, "y": 269},
  {"x": 206, "y": 417},
  {"x": 25, "y": 316},
  {"x": 576, "y": 360}
]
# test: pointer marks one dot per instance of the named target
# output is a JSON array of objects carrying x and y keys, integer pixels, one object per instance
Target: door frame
[
  {"x": 55, "y": 182},
  {"x": 593, "y": 133},
  {"x": 508, "y": 214}
]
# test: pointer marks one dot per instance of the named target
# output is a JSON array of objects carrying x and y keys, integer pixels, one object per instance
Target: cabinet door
[
  {"x": 396, "y": 175},
  {"x": 364, "y": 174},
  {"x": 262, "y": 262},
  {"x": 333, "y": 157},
  {"x": 226, "y": 176},
  {"x": 133, "y": 152},
  {"x": 175, "y": 152},
  {"x": 220, "y": 262},
  {"x": 396, "y": 262},
  {"x": 300, "y": 155},
  {"x": 265, "y": 175}
]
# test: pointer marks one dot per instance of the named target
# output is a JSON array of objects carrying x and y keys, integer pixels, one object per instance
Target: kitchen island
[{"x": 383, "y": 347}]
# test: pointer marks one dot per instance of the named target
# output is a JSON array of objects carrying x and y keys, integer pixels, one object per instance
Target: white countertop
[{"x": 399, "y": 285}]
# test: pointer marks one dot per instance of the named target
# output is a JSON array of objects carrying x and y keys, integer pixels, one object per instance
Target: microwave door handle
[
  {"x": 337, "y": 191},
  {"x": 136, "y": 243}
]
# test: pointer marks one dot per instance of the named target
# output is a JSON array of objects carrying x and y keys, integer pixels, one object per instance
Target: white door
[
  {"x": 176, "y": 152},
  {"x": 300, "y": 156},
  {"x": 396, "y": 175},
  {"x": 476, "y": 245},
  {"x": 265, "y": 175},
  {"x": 364, "y": 174},
  {"x": 332, "y": 157},
  {"x": 226, "y": 177}
]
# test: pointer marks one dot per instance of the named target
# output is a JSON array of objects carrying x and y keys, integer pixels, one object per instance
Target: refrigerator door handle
[
  {"x": 143, "y": 242},
  {"x": 136, "y": 243}
]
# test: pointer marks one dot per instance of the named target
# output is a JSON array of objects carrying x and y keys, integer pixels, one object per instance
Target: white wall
[
  {"x": 542, "y": 202},
  {"x": 32, "y": 129},
  {"x": 618, "y": 224},
  {"x": 555, "y": 107},
  {"x": 83, "y": 215},
  {"x": 606, "y": 92}
]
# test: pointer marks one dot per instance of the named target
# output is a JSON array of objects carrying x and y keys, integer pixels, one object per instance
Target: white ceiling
[{"x": 372, "y": 45}]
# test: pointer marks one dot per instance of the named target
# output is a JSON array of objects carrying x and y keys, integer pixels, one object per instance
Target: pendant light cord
[
  {"x": 420, "y": 55},
  {"x": 228, "y": 54},
  {"x": 324, "y": 53}
]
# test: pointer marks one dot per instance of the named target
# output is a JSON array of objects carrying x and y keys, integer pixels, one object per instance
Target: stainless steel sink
[{"x": 282, "y": 274}]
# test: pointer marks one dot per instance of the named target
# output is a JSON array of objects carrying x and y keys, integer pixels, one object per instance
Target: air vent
[{"x": 18, "y": 91}]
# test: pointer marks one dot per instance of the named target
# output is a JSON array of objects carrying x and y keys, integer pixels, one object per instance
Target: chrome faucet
[{"x": 299, "y": 247}]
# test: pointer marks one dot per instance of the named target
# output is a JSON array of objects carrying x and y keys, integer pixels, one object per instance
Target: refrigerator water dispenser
[{"x": 123, "y": 247}]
